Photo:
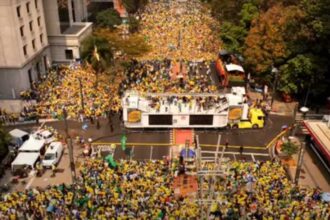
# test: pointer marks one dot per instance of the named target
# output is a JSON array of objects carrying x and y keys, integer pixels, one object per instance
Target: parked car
[{"x": 45, "y": 135}]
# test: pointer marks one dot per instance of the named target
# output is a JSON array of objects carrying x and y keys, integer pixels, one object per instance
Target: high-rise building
[{"x": 33, "y": 35}]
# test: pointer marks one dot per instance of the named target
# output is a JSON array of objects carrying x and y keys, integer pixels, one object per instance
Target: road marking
[
  {"x": 30, "y": 181},
  {"x": 170, "y": 144},
  {"x": 132, "y": 153},
  {"x": 253, "y": 157},
  {"x": 233, "y": 146},
  {"x": 133, "y": 144},
  {"x": 152, "y": 147},
  {"x": 234, "y": 153}
]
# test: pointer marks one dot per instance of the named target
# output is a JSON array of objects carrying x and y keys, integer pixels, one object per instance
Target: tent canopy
[
  {"x": 233, "y": 67},
  {"x": 25, "y": 158},
  {"x": 32, "y": 145},
  {"x": 17, "y": 133}
]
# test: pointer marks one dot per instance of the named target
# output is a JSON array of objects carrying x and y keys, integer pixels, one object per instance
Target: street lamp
[
  {"x": 81, "y": 95},
  {"x": 69, "y": 142},
  {"x": 304, "y": 110},
  {"x": 275, "y": 72}
]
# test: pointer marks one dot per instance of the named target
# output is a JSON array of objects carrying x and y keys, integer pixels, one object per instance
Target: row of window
[
  {"x": 18, "y": 8},
  {"x": 33, "y": 42},
  {"x": 30, "y": 26}
]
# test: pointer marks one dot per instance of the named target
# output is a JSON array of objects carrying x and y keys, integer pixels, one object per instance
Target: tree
[
  {"x": 132, "y": 47},
  {"x": 267, "y": 41},
  {"x": 133, "y": 24},
  {"x": 97, "y": 51},
  {"x": 132, "y": 6},
  {"x": 232, "y": 36},
  {"x": 108, "y": 18},
  {"x": 300, "y": 73},
  {"x": 4, "y": 141},
  {"x": 289, "y": 148}
]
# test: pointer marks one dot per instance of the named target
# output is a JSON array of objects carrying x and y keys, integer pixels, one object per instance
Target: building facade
[
  {"x": 24, "y": 49},
  {"x": 33, "y": 35}
]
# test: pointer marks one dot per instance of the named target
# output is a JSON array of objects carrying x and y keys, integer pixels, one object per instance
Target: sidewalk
[
  {"x": 312, "y": 173},
  {"x": 279, "y": 107}
]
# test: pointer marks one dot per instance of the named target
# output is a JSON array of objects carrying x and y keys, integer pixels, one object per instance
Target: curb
[{"x": 30, "y": 122}]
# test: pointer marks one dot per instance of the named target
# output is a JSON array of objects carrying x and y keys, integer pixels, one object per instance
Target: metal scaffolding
[{"x": 207, "y": 197}]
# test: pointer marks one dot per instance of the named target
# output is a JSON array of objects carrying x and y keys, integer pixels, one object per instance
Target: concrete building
[
  {"x": 65, "y": 28},
  {"x": 24, "y": 50},
  {"x": 33, "y": 35}
]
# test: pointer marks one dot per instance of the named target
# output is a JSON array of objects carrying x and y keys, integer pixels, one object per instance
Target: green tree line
[{"x": 292, "y": 35}]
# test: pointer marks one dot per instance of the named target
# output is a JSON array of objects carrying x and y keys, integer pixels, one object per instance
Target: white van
[{"x": 53, "y": 154}]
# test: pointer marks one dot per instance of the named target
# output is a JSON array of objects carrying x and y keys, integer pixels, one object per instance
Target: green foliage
[
  {"x": 232, "y": 36},
  {"x": 289, "y": 148},
  {"x": 132, "y": 6},
  {"x": 4, "y": 141},
  {"x": 132, "y": 47},
  {"x": 104, "y": 51},
  {"x": 133, "y": 24},
  {"x": 301, "y": 72},
  {"x": 108, "y": 18},
  {"x": 248, "y": 12}
]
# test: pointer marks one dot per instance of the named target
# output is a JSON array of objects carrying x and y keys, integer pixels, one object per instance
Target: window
[
  {"x": 34, "y": 44},
  {"x": 160, "y": 119},
  {"x": 21, "y": 29},
  {"x": 30, "y": 76},
  {"x": 31, "y": 25},
  {"x": 25, "y": 50},
  {"x": 18, "y": 10},
  {"x": 41, "y": 38},
  {"x": 36, "y": 3},
  {"x": 68, "y": 54},
  {"x": 201, "y": 120},
  {"x": 28, "y": 7},
  {"x": 39, "y": 21}
]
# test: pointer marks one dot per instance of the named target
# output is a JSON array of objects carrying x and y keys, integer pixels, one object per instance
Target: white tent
[
  {"x": 25, "y": 159},
  {"x": 32, "y": 145},
  {"x": 17, "y": 133},
  {"x": 233, "y": 67}
]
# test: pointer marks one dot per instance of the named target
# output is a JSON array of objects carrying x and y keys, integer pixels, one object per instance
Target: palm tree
[
  {"x": 4, "y": 142},
  {"x": 97, "y": 51}
]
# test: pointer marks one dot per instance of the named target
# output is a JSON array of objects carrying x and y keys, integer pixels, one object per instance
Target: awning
[
  {"x": 17, "y": 133},
  {"x": 32, "y": 145},
  {"x": 24, "y": 159},
  {"x": 233, "y": 67}
]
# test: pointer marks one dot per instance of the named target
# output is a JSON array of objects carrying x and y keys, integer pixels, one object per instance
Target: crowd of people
[
  {"x": 131, "y": 190},
  {"x": 179, "y": 31},
  {"x": 7, "y": 117},
  {"x": 180, "y": 35},
  {"x": 162, "y": 77},
  {"x": 77, "y": 90},
  {"x": 261, "y": 190},
  {"x": 143, "y": 190}
]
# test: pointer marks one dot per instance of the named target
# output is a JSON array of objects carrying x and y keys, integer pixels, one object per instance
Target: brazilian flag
[
  {"x": 123, "y": 142},
  {"x": 112, "y": 163}
]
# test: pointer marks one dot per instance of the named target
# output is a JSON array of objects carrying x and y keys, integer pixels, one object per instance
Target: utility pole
[
  {"x": 81, "y": 95},
  {"x": 69, "y": 143},
  {"x": 300, "y": 162},
  {"x": 275, "y": 72}
]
